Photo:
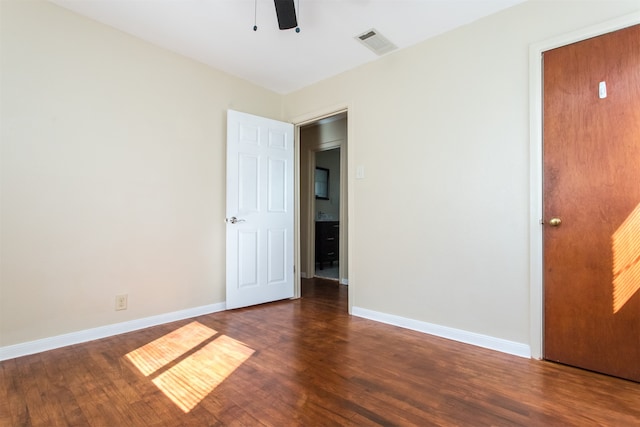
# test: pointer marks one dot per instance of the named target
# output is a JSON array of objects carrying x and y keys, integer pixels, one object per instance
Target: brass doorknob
[{"x": 554, "y": 222}]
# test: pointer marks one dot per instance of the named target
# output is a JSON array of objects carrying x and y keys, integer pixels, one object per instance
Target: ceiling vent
[{"x": 376, "y": 42}]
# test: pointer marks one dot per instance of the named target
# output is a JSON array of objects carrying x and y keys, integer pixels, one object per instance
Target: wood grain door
[{"x": 592, "y": 185}]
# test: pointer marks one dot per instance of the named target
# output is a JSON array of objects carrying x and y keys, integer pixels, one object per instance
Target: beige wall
[
  {"x": 440, "y": 221},
  {"x": 113, "y": 171}
]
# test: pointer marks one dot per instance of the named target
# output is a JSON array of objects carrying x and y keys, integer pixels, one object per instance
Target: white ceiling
[{"x": 220, "y": 33}]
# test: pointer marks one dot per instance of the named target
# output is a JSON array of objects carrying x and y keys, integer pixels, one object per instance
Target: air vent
[{"x": 376, "y": 42}]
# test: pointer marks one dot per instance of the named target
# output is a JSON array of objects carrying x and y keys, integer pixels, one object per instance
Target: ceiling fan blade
[{"x": 286, "y": 12}]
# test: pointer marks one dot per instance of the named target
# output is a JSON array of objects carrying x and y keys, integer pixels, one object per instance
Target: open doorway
[
  {"x": 323, "y": 198},
  {"x": 326, "y": 213}
]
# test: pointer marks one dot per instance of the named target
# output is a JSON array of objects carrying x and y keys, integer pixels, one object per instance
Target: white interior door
[{"x": 260, "y": 156}]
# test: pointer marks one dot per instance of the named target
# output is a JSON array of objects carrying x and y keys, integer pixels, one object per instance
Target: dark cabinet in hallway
[{"x": 327, "y": 242}]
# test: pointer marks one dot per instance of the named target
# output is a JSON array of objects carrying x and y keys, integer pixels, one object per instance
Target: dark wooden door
[{"x": 592, "y": 184}]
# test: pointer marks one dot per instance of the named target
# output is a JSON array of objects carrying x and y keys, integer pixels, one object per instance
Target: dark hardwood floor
[{"x": 301, "y": 363}]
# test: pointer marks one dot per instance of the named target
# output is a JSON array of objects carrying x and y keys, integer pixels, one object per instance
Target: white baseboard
[
  {"x": 303, "y": 275},
  {"x": 37, "y": 346},
  {"x": 344, "y": 281},
  {"x": 492, "y": 343}
]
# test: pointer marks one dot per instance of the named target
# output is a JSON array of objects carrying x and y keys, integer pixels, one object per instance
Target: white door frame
[
  {"x": 536, "y": 300},
  {"x": 299, "y": 121}
]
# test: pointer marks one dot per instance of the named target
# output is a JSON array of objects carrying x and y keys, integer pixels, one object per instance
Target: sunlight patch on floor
[
  {"x": 626, "y": 260},
  {"x": 186, "y": 382},
  {"x": 153, "y": 356},
  {"x": 191, "y": 380}
]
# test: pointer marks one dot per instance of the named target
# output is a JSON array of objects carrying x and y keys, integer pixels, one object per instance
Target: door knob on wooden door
[{"x": 555, "y": 222}]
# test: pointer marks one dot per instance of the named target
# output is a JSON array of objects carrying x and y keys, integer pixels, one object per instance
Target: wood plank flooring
[{"x": 309, "y": 364}]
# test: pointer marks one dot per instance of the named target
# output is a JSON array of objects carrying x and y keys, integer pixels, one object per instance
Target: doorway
[
  {"x": 323, "y": 198},
  {"x": 326, "y": 213},
  {"x": 591, "y": 201}
]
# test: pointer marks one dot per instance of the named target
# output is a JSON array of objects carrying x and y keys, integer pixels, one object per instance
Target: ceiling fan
[{"x": 286, "y": 13}]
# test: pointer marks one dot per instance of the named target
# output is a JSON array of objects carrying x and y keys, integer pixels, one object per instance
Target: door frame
[
  {"x": 536, "y": 265},
  {"x": 345, "y": 214}
]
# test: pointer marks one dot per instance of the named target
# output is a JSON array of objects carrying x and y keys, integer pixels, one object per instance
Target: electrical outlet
[{"x": 121, "y": 302}]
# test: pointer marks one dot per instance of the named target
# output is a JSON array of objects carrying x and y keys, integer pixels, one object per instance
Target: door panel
[
  {"x": 592, "y": 184},
  {"x": 260, "y": 156},
  {"x": 277, "y": 256},
  {"x": 248, "y": 263},
  {"x": 249, "y": 183},
  {"x": 277, "y": 185}
]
